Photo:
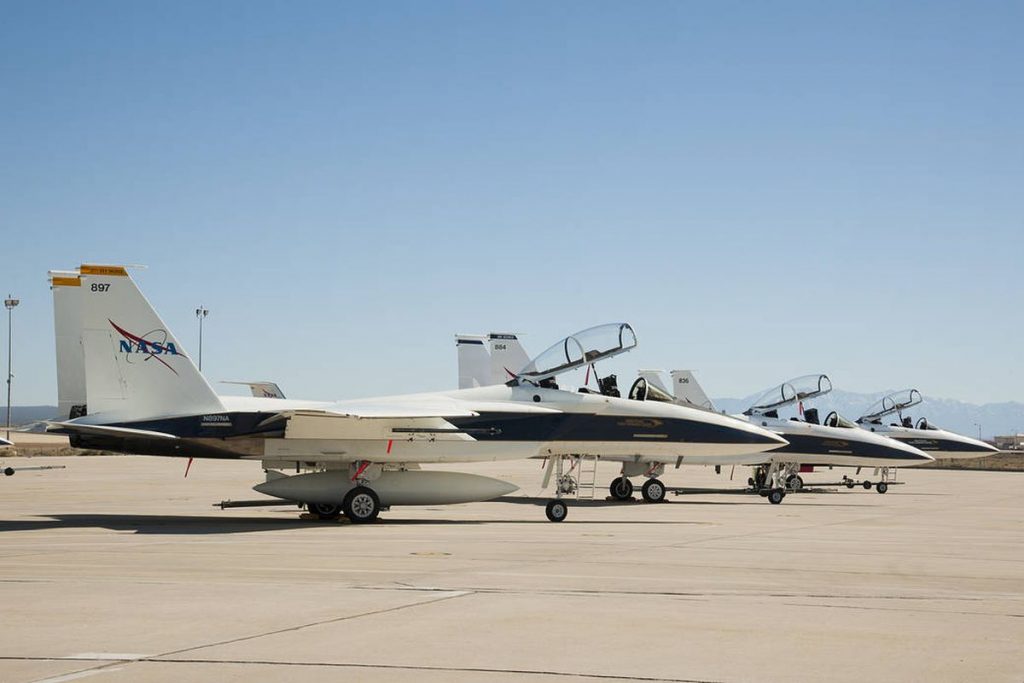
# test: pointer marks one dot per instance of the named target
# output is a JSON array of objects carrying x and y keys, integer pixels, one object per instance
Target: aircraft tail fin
[
  {"x": 688, "y": 390},
  {"x": 486, "y": 360},
  {"x": 474, "y": 361},
  {"x": 67, "y": 324},
  {"x": 134, "y": 366},
  {"x": 507, "y": 356}
]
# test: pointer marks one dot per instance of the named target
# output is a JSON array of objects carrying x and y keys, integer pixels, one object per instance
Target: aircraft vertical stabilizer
[
  {"x": 474, "y": 361},
  {"x": 687, "y": 389},
  {"x": 507, "y": 356},
  {"x": 67, "y": 323},
  {"x": 134, "y": 367}
]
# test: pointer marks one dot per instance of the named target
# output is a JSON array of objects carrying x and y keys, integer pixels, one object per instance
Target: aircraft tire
[
  {"x": 361, "y": 505},
  {"x": 850, "y": 484},
  {"x": 881, "y": 487},
  {"x": 9, "y": 471},
  {"x": 556, "y": 510},
  {"x": 653, "y": 491},
  {"x": 775, "y": 496},
  {"x": 324, "y": 511},
  {"x": 866, "y": 485},
  {"x": 621, "y": 488}
]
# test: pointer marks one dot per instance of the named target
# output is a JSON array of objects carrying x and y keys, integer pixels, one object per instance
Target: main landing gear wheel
[
  {"x": 556, "y": 510},
  {"x": 775, "y": 496},
  {"x": 881, "y": 487},
  {"x": 795, "y": 482},
  {"x": 866, "y": 485},
  {"x": 653, "y": 491},
  {"x": 325, "y": 511},
  {"x": 361, "y": 505},
  {"x": 621, "y": 488}
]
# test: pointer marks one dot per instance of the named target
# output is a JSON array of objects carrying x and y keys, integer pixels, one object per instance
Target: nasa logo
[{"x": 151, "y": 348}]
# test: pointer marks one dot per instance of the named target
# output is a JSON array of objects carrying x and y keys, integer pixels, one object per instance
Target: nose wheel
[{"x": 556, "y": 510}]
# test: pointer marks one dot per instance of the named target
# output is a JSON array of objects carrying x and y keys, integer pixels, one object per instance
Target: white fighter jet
[
  {"x": 939, "y": 443},
  {"x": 485, "y": 360},
  {"x": 834, "y": 442},
  {"x": 144, "y": 395}
]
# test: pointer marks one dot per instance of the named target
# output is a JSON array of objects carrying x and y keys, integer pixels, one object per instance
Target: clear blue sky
[{"x": 763, "y": 189}]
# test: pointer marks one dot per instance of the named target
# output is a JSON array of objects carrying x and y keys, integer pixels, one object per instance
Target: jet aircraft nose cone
[
  {"x": 909, "y": 454},
  {"x": 754, "y": 434}
]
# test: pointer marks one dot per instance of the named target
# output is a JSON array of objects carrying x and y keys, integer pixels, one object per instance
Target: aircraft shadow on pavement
[
  {"x": 156, "y": 524},
  {"x": 207, "y": 524},
  {"x": 200, "y": 525}
]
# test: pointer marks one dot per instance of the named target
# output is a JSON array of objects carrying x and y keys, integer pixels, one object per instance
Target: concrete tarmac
[{"x": 118, "y": 569}]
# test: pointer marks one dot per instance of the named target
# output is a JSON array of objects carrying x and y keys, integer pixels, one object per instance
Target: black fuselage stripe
[
  {"x": 829, "y": 445},
  {"x": 493, "y": 426},
  {"x": 947, "y": 445}
]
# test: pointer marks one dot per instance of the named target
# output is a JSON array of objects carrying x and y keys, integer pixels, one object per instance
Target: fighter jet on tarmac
[{"x": 144, "y": 395}]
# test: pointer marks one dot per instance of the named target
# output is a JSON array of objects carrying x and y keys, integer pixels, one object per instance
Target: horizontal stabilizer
[{"x": 261, "y": 389}]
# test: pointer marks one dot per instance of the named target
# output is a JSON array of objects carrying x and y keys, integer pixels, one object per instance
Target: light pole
[
  {"x": 201, "y": 313},
  {"x": 978, "y": 425},
  {"x": 10, "y": 302}
]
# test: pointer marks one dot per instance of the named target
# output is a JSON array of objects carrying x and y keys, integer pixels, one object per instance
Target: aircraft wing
[
  {"x": 103, "y": 430},
  {"x": 390, "y": 420},
  {"x": 5, "y": 442},
  {"x": 389, "y": 410}
]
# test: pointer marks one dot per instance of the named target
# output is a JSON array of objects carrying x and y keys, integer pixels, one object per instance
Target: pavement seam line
[
  {"x": 351, "y": 665},
  {"x": 458, "y": 594}
]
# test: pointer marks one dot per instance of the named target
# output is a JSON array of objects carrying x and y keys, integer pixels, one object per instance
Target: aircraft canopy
[
  {"x": 798, "y": 389},
  {"x": 579, "y": 350},
  {"x": 896, "y": 402}
]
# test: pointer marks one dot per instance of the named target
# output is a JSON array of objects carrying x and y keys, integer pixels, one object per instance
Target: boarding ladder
[{"x": 587, "y": 477}]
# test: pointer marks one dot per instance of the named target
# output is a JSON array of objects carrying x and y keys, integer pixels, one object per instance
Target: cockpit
[
  {"x": 794, "y": 391},
  {"x": 645, "y": 390},
  {"x": 577, "y": 351},
  {"x": 894, "y": 404}
]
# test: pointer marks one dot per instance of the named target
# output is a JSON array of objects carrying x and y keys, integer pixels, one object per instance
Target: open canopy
[
  {"x": 799, "y": 389},
  {"x": 896, "y": 402},
  {"x": 580, "y": 349}
]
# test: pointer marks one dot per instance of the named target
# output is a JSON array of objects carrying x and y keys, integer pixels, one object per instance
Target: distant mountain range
[
  {"x": 23, "y": 415},
  {"x": 956, "y": 416}
]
